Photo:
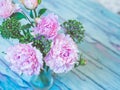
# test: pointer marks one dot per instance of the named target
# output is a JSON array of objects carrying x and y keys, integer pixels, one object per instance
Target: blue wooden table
[{"x": 101, "y": 48}]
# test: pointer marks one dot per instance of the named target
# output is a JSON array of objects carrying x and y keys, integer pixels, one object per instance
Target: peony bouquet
[{"x": 44, "y": 44}]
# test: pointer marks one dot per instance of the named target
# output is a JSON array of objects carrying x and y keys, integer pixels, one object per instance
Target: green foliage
[
  {"x": 18, "y": 16},
  {"x": 39, "y": 1},
  {"x": 10, "y": 28},
  {"x": 42, "y": 44},
  {"x": 74, "y": 29},
  {"x": 27, "y": 37},
  {"x": 41, "y": 12},
  {"x": 31, "y": 14},
  {"x": 27, "y": 26},
  {"x": 81, "y": 61}
]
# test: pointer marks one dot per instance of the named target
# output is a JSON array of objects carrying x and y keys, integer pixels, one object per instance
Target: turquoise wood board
[{"x": 101, "y": 48}]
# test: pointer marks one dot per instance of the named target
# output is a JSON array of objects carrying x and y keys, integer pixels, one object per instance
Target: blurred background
[{"x": 113, "y": 5}]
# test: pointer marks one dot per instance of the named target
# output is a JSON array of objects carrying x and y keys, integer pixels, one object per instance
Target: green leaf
[
  {"x": 27, "y": 26},
  {"x": 39, "y": 1},
  {"x": 42, "y": 11},
  {"x": 31, "y": 14},
  {"x": 0, "y": 28},
  {"x": 19, "y": 16},
  {"x": 3, "y": 52}
]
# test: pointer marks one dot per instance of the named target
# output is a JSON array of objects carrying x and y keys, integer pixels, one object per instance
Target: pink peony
[
  {"x": 47, "y": 26},
  {"x": 25, "y": 59},
  {"x": 63, "y": 54},
  {"x": 7, "y": 8},
  {"x": 30, "y": 4}
]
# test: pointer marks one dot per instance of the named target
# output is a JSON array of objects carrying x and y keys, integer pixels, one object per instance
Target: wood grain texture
[{"x": 101, "y": 48}]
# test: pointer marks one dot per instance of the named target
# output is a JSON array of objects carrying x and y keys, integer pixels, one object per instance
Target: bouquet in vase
[{"x": 45, "y": 46}]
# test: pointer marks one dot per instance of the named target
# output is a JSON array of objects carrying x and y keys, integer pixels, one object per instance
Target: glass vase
[{"x": 43, "y": 81}]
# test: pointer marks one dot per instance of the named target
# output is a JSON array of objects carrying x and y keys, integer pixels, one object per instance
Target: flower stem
[
  {"x": 35, "y": 13},
  {"x": 28, "y": 19}
]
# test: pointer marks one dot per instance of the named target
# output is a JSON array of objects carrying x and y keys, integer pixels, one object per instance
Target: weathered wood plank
[
  {"x": 101, "y": 55},
  {"x": 76, "y": 81},
  {"x": 101, "y": 49}
]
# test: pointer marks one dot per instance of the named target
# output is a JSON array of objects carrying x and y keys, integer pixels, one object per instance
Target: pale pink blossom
[
  {"x": 63, "y": 54},
  {"x": 47, "y": 26},
  {"x": 30, "y": 4},
  {"x": 24, "y": 59},
  {"x": 7, "y": 8}
]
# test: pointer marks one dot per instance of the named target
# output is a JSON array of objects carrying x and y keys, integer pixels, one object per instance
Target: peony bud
[
  {"x": 30, "y": 4},
  {"x": 37, "y": 20}
]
